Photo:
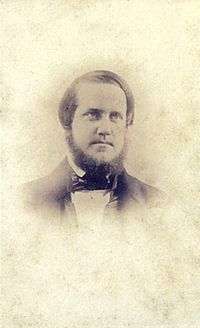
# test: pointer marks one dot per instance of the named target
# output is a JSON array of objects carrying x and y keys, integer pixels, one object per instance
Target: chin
[{"x": 103, "y": 157}]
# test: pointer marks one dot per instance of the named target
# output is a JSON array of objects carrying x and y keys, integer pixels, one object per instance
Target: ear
[
  {"x": 68, "y": 132},
  {"x": 129, "y": 132}
]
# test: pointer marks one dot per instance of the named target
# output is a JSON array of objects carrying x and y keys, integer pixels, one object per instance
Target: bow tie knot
[{"x": 88, "y": 182}]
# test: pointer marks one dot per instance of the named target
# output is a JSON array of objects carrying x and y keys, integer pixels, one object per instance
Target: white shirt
[{"x": 89, "y": 206}]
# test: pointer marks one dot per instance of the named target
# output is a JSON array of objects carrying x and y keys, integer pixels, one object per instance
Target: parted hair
[{"x": 69, "y": 102}]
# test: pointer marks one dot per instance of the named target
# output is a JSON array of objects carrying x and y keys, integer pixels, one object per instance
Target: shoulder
[
  {"x": 37, "y": 192},
  {"x": 48, "y": 190},
  {"x": 143, "y": 192}
]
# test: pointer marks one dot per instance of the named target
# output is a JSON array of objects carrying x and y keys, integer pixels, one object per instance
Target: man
[{"x": 95, "y": 112}]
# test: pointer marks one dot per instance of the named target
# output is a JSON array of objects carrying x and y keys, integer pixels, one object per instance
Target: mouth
[{"x": 102, "y": 143}]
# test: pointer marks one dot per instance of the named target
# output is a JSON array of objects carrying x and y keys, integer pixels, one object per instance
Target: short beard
[{"x": 94, "y": 167}]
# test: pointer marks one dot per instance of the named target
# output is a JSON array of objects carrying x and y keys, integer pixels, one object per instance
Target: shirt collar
[{"x": 73, "y": 165}]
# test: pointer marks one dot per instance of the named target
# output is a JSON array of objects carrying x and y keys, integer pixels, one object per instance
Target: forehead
[{"x": 101, "y": 95}]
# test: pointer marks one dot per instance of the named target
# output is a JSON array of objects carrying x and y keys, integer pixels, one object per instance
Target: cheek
[
  {"x": 82, "y": 133},
  {"x": 120, "y": 135}
]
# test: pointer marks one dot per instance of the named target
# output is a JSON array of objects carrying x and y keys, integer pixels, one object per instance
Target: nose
[{"x": 104, "y": 127}]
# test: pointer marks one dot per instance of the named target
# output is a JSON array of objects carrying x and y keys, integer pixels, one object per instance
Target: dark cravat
[{"x": 92, "y": 182}]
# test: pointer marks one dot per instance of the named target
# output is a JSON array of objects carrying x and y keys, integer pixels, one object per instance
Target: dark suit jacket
[{"x": 53, "y": 193}]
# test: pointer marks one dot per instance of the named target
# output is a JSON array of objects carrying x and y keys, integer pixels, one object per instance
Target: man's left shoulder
[{"x": 144, "y": 192}]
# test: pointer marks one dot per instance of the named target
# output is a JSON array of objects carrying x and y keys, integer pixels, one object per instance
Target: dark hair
[{"x": 69, "y": 101}]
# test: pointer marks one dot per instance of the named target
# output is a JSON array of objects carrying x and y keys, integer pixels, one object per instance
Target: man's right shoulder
[
  {"x": 47, "y": 190},
  {"x": 36, "y": 192}
]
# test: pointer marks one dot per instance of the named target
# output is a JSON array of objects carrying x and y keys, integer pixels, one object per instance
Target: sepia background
[{"x": 153, "y": 44}]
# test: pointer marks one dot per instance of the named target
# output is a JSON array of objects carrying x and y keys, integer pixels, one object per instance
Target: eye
[
  {"x": 114, "y": 116},
  {"x": 93, "y": 115}
]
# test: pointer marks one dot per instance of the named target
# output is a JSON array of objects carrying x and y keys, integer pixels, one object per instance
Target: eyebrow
[{"x": 94, "y": 110}]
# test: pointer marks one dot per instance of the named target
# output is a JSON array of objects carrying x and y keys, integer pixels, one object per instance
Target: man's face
[{"x": 99, "y": 123}]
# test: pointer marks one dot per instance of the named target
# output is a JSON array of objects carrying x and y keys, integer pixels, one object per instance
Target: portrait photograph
[{"x": 100, "y": 163}]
